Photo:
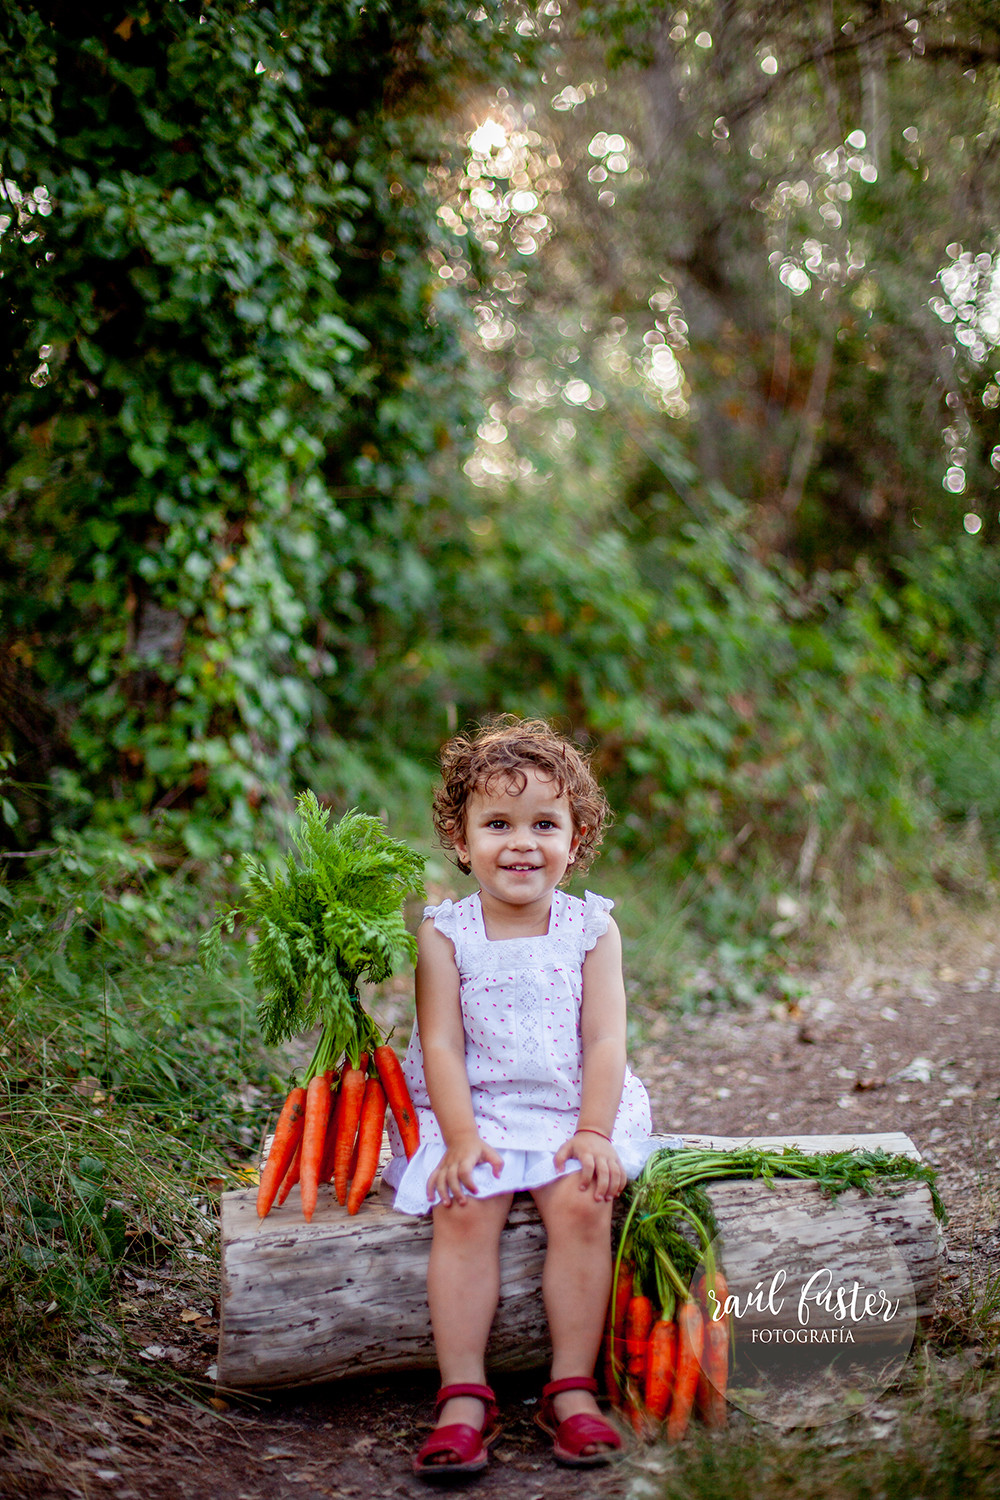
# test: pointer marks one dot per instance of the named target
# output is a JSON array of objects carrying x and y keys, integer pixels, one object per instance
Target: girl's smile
[{"x": 519, "y": 845}]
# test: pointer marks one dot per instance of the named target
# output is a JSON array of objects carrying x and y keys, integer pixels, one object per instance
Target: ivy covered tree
[{"x": 227, "y": 370}]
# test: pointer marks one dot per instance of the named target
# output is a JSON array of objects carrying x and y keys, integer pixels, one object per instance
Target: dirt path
[{"x": 910, "y": 1044}]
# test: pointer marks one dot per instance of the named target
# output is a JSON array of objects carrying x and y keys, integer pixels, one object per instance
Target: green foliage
[
  {"x": 943, "y": 1450},
  {"x": 963, "y": 757},
  {"x": 734, "y": 705},
  {"x": 250, "y": 541},
  {"x": 222, "y": 329},
  {"x": 948, "y": 614},
  {"x": 72, "y": 1249},
  {"x": 323, "y": 923},
  {"x": 84, "y": 998},
  {"x": 777, "y": 230},
  {"x": 129, "y": 1082}
]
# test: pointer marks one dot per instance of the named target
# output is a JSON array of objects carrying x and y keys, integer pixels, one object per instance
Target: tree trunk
[{"x": 342, "y": 1296}]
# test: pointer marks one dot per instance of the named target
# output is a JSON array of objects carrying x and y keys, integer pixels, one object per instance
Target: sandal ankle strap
[
  {"x": 481, "y": 1393},
  {"x": 570, "y": 1383}
]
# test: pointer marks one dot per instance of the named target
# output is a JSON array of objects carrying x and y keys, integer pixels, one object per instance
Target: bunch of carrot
[
  {"x": 664, "y": 1362},
  {"x": 667, "y": 1340},
  {"x": 330, "y": 1130},
  {"x": 326, "y": 918},
  {"x": 666, "y": 1352}
]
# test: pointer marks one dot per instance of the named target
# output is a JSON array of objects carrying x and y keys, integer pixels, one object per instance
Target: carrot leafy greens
[{"x": 328, "y": 919}]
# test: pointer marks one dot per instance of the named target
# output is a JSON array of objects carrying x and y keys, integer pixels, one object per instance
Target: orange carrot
[
  {"x": 714, "y": 1376},
  {"x": 398, "y": 1096},
  {"x": 287, "y": 1134},
  {"x": 352, "y": 1092},
  {"x": 690, "y": 1336},
  {"x": 660, "y": 1367},
  {"x": 623, "y": 1295},
  {"x": 639, "y": 1319},
  {"x": 326, "y": 1165},
  {"x": 291, "y": 1177},
  {"x": 614, "y": 1356},
  {"x": 314, "y": 1140},
  {"x": 369, "y": 1143},
  {"x": 711, "y": 1305},
  {"x": 636, "y": 1413},
  {"x": 711, "y": 1394}
]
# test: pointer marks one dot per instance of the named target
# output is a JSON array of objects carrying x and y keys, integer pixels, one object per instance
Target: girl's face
[{"x": 519, "y": 845}]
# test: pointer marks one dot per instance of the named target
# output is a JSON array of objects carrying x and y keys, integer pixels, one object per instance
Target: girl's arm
[
  {"x": 442, "y": 1041},
  {"x": 602, "y": 1028}
]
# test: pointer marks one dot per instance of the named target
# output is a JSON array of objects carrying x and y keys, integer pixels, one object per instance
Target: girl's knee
[
  {"x": 577, "y": 1213},
  {"x": 474, "y": 1225}
]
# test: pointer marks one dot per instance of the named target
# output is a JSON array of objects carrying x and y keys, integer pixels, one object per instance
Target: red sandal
[
  {"x": 583, "y": 1430},
  {"x": 467, "y": 1443}
]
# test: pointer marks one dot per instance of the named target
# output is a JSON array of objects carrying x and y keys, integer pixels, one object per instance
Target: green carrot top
[{"x": 331, "y": 917}]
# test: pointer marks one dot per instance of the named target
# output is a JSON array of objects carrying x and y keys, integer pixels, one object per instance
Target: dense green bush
[
  {"x": 228, "y": 365},
  {"x": 727, "y": 698}
]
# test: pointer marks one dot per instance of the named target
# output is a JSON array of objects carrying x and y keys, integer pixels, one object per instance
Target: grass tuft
[
  {"x": 131, "y": 1093},
  {"x": 946, "y": 1446}
]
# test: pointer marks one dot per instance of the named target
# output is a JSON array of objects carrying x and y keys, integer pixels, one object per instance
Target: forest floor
[{"x": 891, "y": 1034}]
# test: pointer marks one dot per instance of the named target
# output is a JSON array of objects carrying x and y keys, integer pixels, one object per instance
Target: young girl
[{"x": 517, "y": 1070}]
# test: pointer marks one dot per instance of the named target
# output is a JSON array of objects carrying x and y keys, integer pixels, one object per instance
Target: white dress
[{"x": 520, "y": 1002}]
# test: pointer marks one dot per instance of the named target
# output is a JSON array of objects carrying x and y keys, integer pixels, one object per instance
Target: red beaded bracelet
[{"x": 589, "y": 1130}]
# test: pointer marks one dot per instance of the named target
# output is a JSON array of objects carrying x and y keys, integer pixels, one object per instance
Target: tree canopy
[
  {"x": 372, "y": 367},
  {"x": 781, "y": 222}
]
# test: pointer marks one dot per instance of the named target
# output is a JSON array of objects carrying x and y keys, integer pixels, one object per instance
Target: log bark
[{"x": 345, "y": 1296}]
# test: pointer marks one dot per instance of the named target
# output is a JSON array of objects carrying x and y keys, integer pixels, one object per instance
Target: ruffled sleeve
[
  {"x": 444, "y": 917},
  {"x": 596, "y": 917}
]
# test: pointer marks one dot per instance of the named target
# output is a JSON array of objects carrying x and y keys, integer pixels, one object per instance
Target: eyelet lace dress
[{"x": 520, "y": 1001}]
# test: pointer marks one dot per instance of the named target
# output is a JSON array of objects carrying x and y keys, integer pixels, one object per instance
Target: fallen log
[{"x": 346, "y": 1296}]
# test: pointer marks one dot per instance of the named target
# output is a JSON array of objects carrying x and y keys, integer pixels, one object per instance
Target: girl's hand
[
  {"x": 452, "y": 1177},
  {"x": 600, "y": 1166}
]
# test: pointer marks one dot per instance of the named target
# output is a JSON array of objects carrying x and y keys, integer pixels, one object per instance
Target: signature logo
[{"x": 843, "y": 1304}]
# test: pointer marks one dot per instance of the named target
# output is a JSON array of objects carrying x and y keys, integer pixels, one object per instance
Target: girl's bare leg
[
  {"x": 463, "y": 1288},
  {"x": 576, "y": 1283}
]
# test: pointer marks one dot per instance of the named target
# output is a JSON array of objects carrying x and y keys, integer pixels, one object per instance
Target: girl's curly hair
[{"x": 500, "y": 751}]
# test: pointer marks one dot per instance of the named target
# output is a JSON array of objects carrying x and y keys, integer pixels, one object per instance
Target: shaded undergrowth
[{"x": 132, "y": 1091}]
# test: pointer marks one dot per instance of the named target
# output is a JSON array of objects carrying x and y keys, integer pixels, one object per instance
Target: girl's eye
[{"x": 496, "y": 823}]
